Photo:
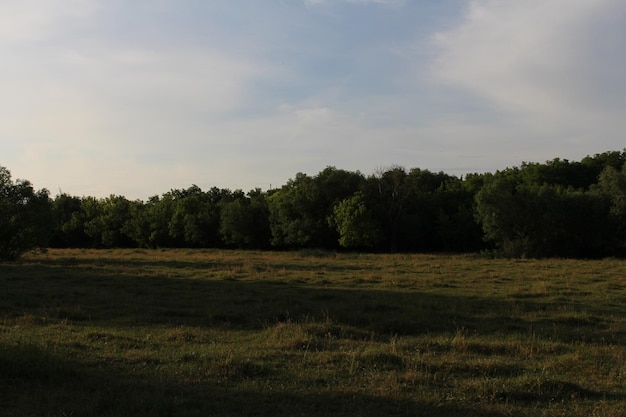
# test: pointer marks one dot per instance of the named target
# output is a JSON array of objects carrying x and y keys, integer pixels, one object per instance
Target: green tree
[
  {"x": 76, "y": 225},
  {"x": 426, "y": 210},
  {"x": 105, "y": 221},
  {"x": 137, "y": 227},
  {"x": 292, "y": 219},
  {"x": 195, "y": 218},
  {"x": 612, "y": 184},
  {"x": 155, "y": 220},
  {"x": 244, "y": 221},
  {"x": 455, "y": 227},
  {"x": 502, "y": 209},
  {"x": 25, "y": 217},
  {"x": 355, "y": 223},
  {"x": 64, "y": 208},
  {"x": 413, "y": 206},
  {"x": 300, "y": 209},
  {"x": 528, "y": 220},
  {"x": 389, "y": 191}
]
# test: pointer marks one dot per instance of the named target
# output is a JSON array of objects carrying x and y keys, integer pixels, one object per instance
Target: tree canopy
[
  {"x": 25, "y": 217},
  {"x": 558, "y": 208}
]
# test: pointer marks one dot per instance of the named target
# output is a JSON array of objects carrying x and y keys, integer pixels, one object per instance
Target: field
[{"x": 235, "y": 333}]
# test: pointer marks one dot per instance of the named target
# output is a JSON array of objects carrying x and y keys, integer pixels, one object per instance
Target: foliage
[
  {"x": 25, "y": 217},
  {"x": 557, "y": 208},
  {"x": 355, "y": 223},
  {"x": 300, "y": 209},
  {"x": 531, "y": 220},
  {"x": 612, "y": 184},
  {"x": 195, "y": 219},
  {"x": 65, "y": 233},
  {"x": 392, "y": 191},
  {"x": 245, "y": 220},
  {"x": 106, "y": 221}
]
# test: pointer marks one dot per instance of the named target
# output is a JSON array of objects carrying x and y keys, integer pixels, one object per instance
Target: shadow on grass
[
  {"x": 151, "y": 260},
  {"x": 90, "y": 292},
  {"x": 36, "y": 382}
]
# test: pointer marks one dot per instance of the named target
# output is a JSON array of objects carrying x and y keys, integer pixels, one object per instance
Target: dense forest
[{"x": 558, "y": 208}]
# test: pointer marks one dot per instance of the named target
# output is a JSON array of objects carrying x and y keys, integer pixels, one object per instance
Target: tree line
[{"x": 559, "y": 208}]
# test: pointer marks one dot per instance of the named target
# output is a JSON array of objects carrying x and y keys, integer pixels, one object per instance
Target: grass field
[{"x": 234, "y": 333}]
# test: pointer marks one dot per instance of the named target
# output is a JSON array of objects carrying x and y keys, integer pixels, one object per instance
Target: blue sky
[{"x": 138, "y": 97}]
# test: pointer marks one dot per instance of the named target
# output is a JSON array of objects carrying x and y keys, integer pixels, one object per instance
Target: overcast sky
[{"x": 138, "y": 97}]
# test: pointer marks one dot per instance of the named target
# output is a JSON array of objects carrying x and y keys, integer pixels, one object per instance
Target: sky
[{"x": 136, "y": 98}]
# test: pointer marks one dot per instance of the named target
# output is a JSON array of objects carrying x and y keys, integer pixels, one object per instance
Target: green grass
[{"x": 235, "y": 333}]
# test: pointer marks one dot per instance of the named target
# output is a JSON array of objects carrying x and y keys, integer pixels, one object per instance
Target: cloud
[
  {"x": 86, "y": 111},
  {"x": 549, "y": 60},
  {"x": 121, "y": 92},
  {"x": 138, "y": 98},
  {"x": 28, "y": 20},
  {"x": 313, "y": 3},
  {"x": 385, "y": 2}
]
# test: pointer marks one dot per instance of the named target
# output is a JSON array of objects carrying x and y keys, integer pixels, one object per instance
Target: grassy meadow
[{"x": 246, "y": 333}]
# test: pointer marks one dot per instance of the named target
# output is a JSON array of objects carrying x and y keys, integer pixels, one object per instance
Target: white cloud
[
  {"x": 386, "y": 2},
  {"x": 119, "y": 93},
  {"x": 537, "y": 58},
  {"x": 27, "y": 20},
  {"x": 313, "y": 3},
  {"x": 92, "y": 111},
  {"x": 107, "y": 97}
]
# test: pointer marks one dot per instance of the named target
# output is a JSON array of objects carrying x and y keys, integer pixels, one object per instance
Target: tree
[
  {"x": 300, "y": 209},
  {"x": 137, "y": 227},
  {"x": 529, "y": 220},
  {"x": 502, "y": 209},
  {"x": 388, "y": 188},
  {"x": 105, "y": 221},
  {"x": 25, "y": 217},
  {"x": 355, "y": 223},
  {"x": 195, "y": 218},
  {"x": 612, "y": 184},
  {"x": 292, "y": 219},
  {"x": 63, "y": 208},
  {"x": 455, "y": 227},
  {"x": 426, "y": 210},
  {"x": 89, "y": 210},
  {"x": 244, "y": 221},
  {"x": 152, "y": 225}
]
